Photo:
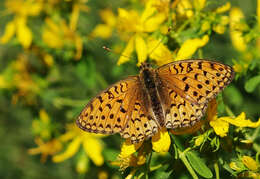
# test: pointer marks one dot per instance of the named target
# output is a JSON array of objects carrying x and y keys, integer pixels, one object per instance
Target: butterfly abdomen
[{"x": 150, "y": 88}]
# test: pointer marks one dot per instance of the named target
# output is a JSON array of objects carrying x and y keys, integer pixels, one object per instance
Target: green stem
[
  {"x": 187, "y": 164},
  {"x": 256, "y": 147},
  {"x": 229, "y": 112},
  {"x": 216, "y": 170},
  {"x": 255, "y": 134},
  {"x": 155, "y": 167},
  {"x": 200, "y": 53},
  {"x": 149, "y": 161}
]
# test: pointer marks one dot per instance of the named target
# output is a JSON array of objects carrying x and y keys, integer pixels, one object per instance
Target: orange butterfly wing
[
  {"x": 190, "y": 84},
  {"x": 141, "y": 124},
  {"x": 109, "y": 111}
]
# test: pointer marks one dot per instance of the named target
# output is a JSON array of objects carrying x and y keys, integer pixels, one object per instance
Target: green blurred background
[{"x": 40, "y": 77}]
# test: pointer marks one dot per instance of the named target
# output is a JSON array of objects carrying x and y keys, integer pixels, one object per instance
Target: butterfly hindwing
[{"x": 141, "y": 125}]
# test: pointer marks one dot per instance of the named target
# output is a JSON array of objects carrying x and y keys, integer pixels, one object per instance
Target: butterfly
[{"x": 174, "y": 96}]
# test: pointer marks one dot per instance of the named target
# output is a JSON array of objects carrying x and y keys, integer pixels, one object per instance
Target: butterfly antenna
[
  {"x": 110, "y": 50},
  {"x": 160, "y": 41}
]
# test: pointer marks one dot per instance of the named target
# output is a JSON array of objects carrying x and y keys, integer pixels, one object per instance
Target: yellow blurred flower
[
  {"x": 190, "y": 46},
  {"x": 105, "y": 30},
  {"x": 17, "y": 76},
  {"x": 250, "y": 163},
  {"x": 223, "y": 8},
  {"x": 221, "y": 124},
  {"x": 236, "y": 27},
  {"x": 49, "y": 148},
  {"x": 102, "y": 175},
  {"x": 21, "y": 9},
  {"x": 185, "y": 9},
  {"x": 82, "y": 163},
  {"x": 154, "y": 14},
  {"x": 57, "y": 35},
  {"x": 91, "y": 143},
  {"x": 42, "y": 126},
  {"x": 78, "y": 5}
]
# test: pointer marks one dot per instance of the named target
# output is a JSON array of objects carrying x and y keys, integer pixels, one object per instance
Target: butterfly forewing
[
  {"x": 108, "y": 112},
  {"x": 190, "y": 84},
  {"x": 196, "y": 80}
]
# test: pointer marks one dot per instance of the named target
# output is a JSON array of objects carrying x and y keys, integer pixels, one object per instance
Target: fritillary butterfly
[{"x": 174, "y": 96}]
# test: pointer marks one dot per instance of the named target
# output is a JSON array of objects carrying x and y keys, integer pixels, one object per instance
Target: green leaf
[
  {"x": 252, "y": 83},
  {"x": 110, "y": 154},
  {"x": 198, "y": 165}
]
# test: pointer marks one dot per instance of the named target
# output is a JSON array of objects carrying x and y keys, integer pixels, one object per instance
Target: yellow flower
[
  {"x": 91, "y": 143},
  {"x": 78, "y": 5},
  {"x": 161, "y": 141},
  {"x": 48, "y": 148},
  {"x": 102, "y": 175},
  {"x": 21, "y": 10},
  {"x": 184, "y": 8},
  {"x": 127, "y": 158},
  {"x": 57, "y": 35},
  {"x": 190, "y": 46},
  {"x": 250, "y": 163},
  {"x": 159, "y": 52},
  {"x": 105, "y": 30},
  {"x": 154, "y": 14},
  {"x": 42, "y": 126},
  {"x": 223, "y": 8},
  {"x": 238, "y": 68},
  {"x": 82, "y": 163},
  {"x": 234, "y": 166},
  {"x": 199, "y": 4},
  {"x": 221, "y": 125},
  {"x": 238, "y": 41},
  {"x": 128, "y": 149}
]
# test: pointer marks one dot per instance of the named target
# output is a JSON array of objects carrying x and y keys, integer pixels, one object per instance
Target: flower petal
[
  {"x": 159, "y": 52},
  {"x": 9, "y": 32},
  {"x": 220, "y": 127},
  {"x": 127, "y": 52},
  {"x": 241, "y": 121},
  {"x": 69, "y": 152},
  {"x": 153, "y": 23},
  {"x": 189, "y": 47},
  {"x": 127, "y": 148},
  {"x": 223, "y": 8},
  {"x": 102, "y": 30},
  {"x": 93, "y": 148},
  {"x": 238, "y": 41},
  {"x": 141, "y": 49},
  {"x": 24, "y": 34},
  {"x": 161, "y": 141},
  {"x": 250, "y": 163}
]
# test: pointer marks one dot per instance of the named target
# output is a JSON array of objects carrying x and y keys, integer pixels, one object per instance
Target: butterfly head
[{"x": 145, "y": 66}]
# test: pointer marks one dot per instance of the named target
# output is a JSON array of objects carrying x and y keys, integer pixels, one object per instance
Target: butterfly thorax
[{"x": 149, "y": 82}]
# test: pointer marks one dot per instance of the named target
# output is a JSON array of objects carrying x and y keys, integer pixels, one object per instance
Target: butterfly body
[{"x": 174, "y": 96}]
